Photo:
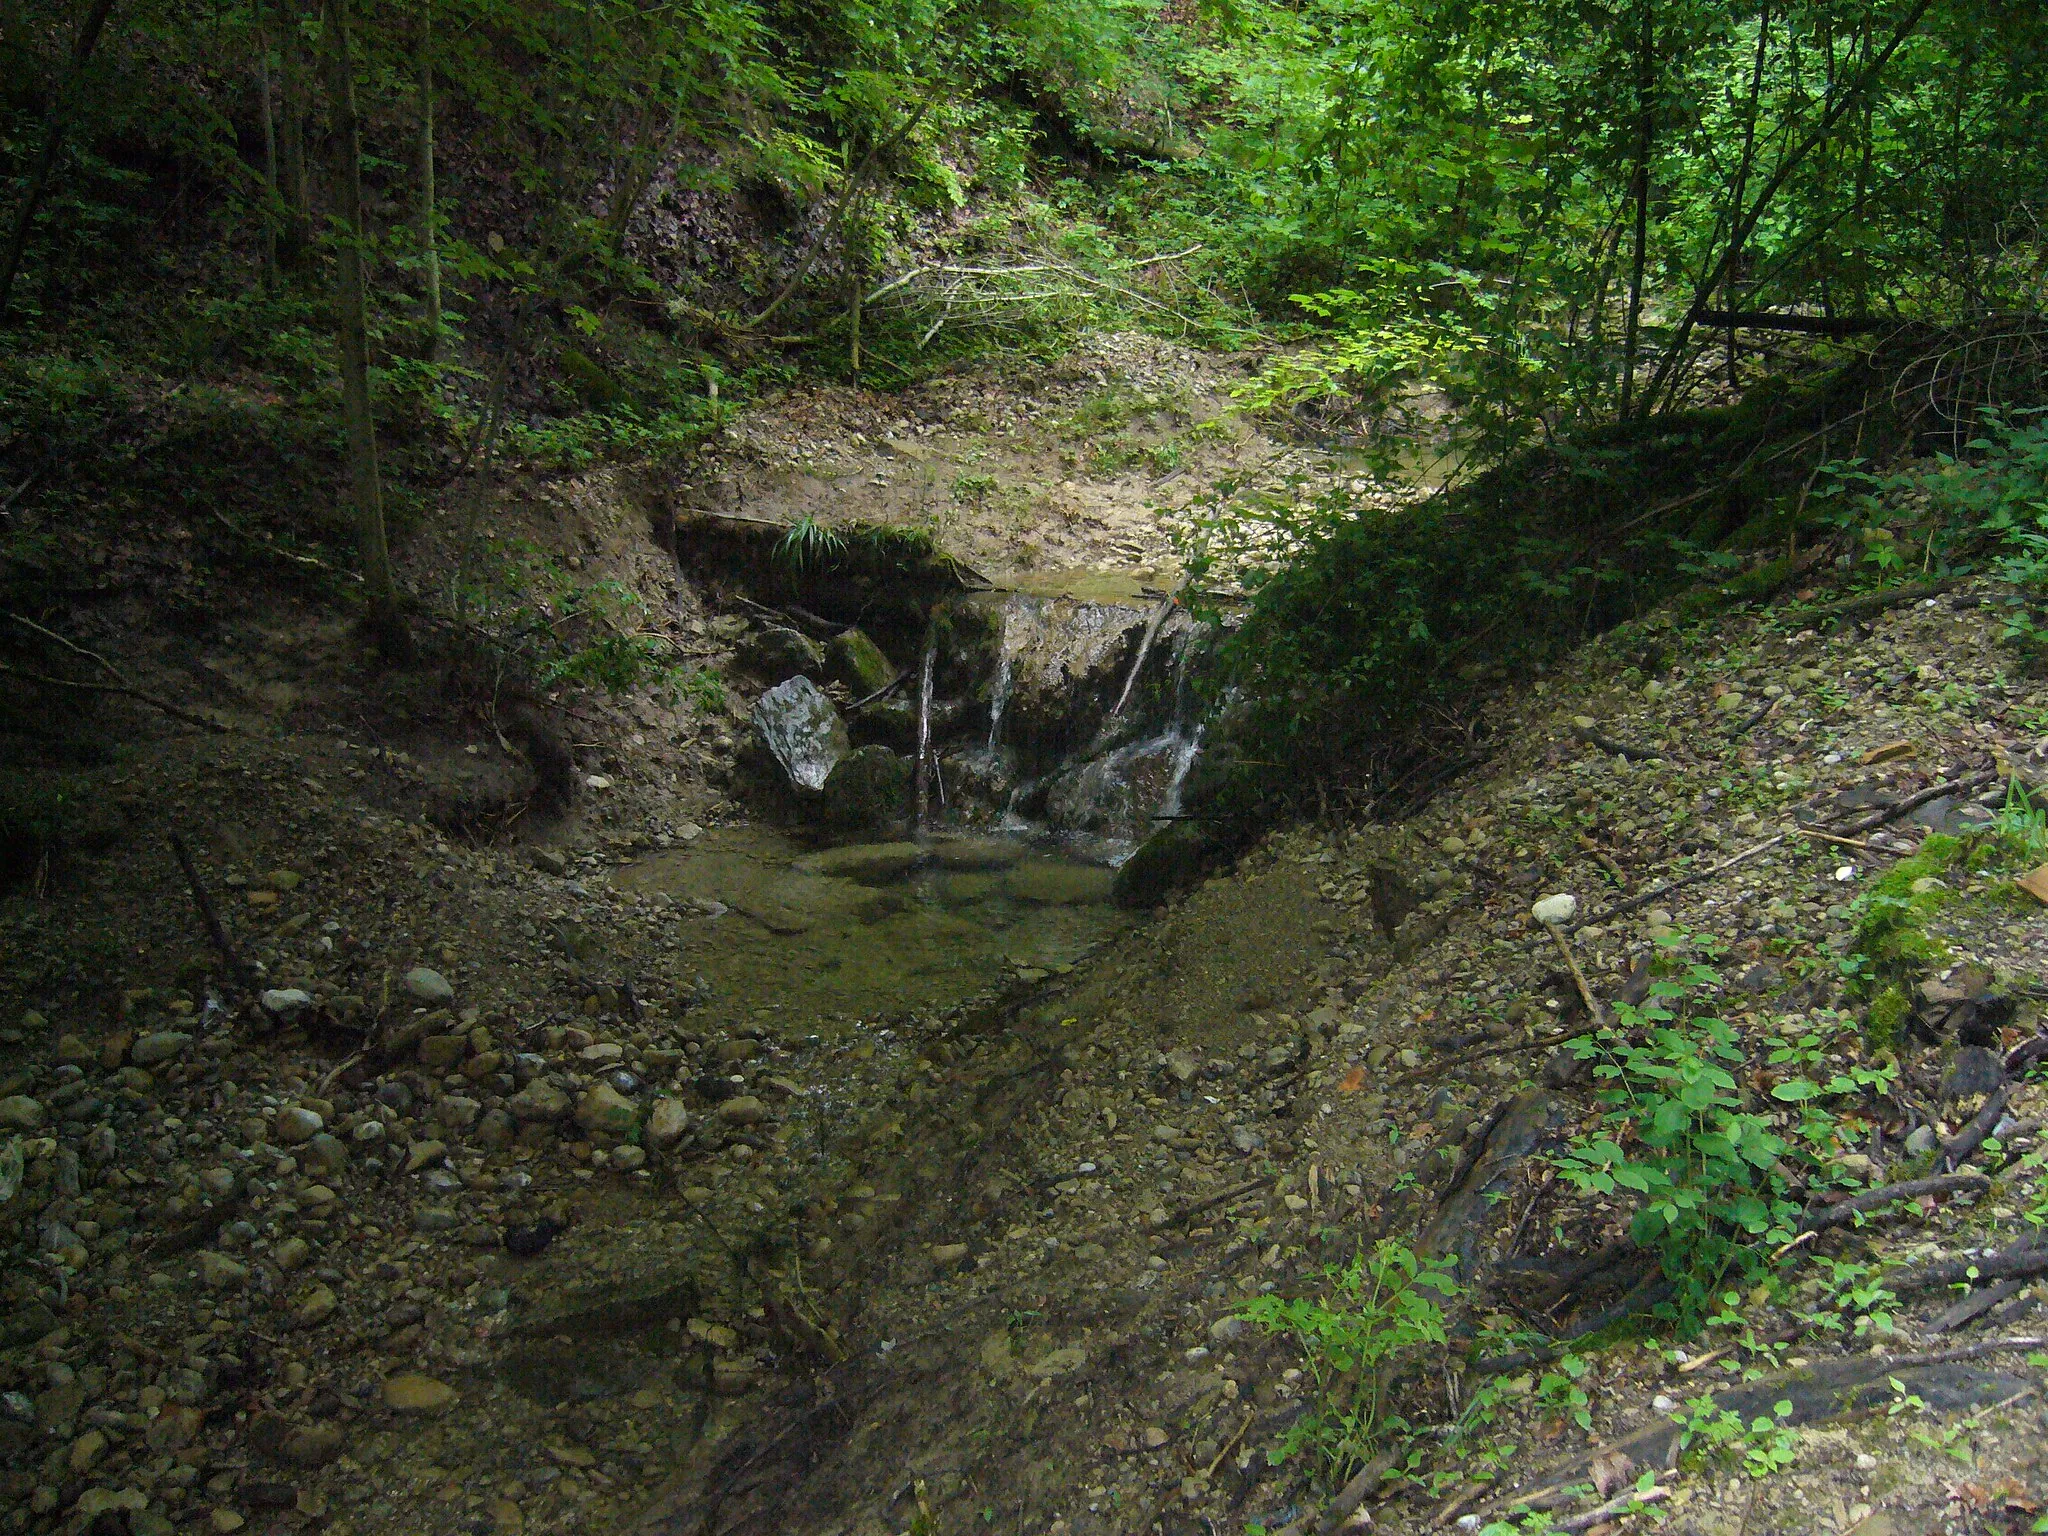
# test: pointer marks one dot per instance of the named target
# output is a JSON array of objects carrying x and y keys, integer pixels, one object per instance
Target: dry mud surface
[{"x": 618, "y": 1222}]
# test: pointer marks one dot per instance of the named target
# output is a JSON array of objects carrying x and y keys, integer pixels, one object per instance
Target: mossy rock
[
  {"x": 590, "y": 379},
  {"x": 1166, "y": 863},
  {"x": 867, "y": 788},
  {"x": 855, "y": 660}
]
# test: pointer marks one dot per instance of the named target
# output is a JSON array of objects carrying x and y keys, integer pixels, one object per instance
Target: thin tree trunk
[
  {"x": 1646, "y": 65},
  {"x": 386, "y": 624},
  {"x": 54, "y": 128},
  {"x": 430, "y": 235},
  {"x": 294, "y": 191},
  {"x": 1747, "y": 220},
  {"x": 269, "y": 120},
  {"x": 1742, "y": 170}
]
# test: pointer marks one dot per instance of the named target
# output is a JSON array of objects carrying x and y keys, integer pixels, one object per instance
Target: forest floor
[{"x": 966, "y": 1258}]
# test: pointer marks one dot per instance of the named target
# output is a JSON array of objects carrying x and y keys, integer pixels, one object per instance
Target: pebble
[
  {"x": 164, "y": 1045},
  {"x": 317, "y": 1306},
  {"x": 219, "y": 1272},
  {"x": 296, "y": 1125},
  {"x": 627, "y": 1158},
  {"x": 429, "y": 987},
  {"x": 743, "y": 1110},
  {"x": 285, "y": 1003},
  {"x": 411, "y": 1392},
  {"x": 291, "y": 1254},
  {"x": 604, "y": 1109},
  {"x": 539, "y": 1101},
  {"x": 1921, "y": 1141},
  {"x": 667, "y": 1123},
  {"x": 1555, "y": 911},
  {"x": 425, "y": 1154},
  {"x": 313, "y": 1446}
]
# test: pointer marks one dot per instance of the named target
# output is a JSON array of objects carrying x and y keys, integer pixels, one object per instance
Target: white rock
[
  {"x": 285, "y": 1002},
  {"x": 1555, "y": 911}
]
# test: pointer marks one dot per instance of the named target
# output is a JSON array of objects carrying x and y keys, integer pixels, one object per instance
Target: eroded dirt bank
[{"x": 553, "y": 1191}]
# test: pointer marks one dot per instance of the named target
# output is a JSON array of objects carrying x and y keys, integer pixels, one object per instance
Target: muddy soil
[{"x": 636, "y": 1171}]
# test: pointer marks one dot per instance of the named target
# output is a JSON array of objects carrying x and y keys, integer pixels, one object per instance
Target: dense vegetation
[{"x": 266, "y": 259}]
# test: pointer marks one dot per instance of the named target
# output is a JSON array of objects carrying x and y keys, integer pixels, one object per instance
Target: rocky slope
[{"x": 485, "y": 1209}]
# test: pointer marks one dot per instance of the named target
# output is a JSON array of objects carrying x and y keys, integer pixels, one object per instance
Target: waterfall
[
  {"x": 999, "y": 691},
  {"x": 924, "y": 728},
  {"x": 1144, "y": 649}
]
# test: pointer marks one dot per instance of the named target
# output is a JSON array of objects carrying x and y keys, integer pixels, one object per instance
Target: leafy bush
[{"x": 1384, "y": 1307}]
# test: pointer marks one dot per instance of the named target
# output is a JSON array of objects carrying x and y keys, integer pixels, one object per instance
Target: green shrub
[{"x": 1383, "y": 1308}]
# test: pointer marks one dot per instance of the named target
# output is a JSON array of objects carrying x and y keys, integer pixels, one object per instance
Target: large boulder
[
  {"x": 855, "y": 660},
  {"x": 1168, "y": 861},
  {"x": 868, "y": 788},
  {"x": 802, "y": 731},
  {"x": 777, "y": 654}
]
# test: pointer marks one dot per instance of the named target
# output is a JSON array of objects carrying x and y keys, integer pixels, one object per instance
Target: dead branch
[{"x": 238, "y": 969}]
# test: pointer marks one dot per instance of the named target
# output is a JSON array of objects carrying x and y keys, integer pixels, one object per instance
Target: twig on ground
[
  {"x": 1594, "y": 1013},
  {"x": 2022, "y": 1259},
  {"x": 1605, "y": 743}
]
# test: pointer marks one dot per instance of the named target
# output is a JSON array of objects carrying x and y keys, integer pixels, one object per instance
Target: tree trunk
[
  {"x": 430, "y": 235},
  {"x": 1742, "y": 170},
  {"x": 297, "y": 232},
  {"x": 386, "y": 625},
  {"x": 1646, "y": 64},
  {"x": 269, "y": 121},
  {"x": 54, "y": 129}
]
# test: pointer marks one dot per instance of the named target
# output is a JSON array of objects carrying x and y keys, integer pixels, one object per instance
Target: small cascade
[
  {"x": 1144, "y": 650},
  {"x": 999, "y": 691},
  {"x": 924, "y": 730}
]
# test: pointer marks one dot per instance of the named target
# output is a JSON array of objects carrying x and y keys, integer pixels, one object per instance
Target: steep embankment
[{"x": 609, "y": 1224}]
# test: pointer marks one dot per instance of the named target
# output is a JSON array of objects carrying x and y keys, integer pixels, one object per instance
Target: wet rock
[
  {"x": 429, "y": 987},
  {"x": 802, "y": 731},
  {"x": 1167, "y": 862},
  {"x": 164, "y": 1045},
  {"x": 411, "y": 1392},
  {"x": 867, "y": 863},
  {"x": 867, "y": 788},
  {"x": 604, "y": 1109},
  {"x": 776, "y": 654},
  {"x": 296, "y": 1125},
  {"x": 1051, "y": 883},
  {"x": 855, "y": 660},
  {"x": 539, "y": 1101}
]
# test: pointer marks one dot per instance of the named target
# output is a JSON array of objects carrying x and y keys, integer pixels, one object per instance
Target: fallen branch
[
  {"x": 1974, "y": 1135},
  {"x": 2021, "y": 1260},
  {"x": 1623, "y": 1504},
  {"x": 1842, "y": 1214},
  {"x": 1865, "y": 604},
  {"x": 119, "y": 686},
  {"x": 1634, "y": 754},
  {"x": 1803, "y": 325},
  {"x": 238, "y": 969}
]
